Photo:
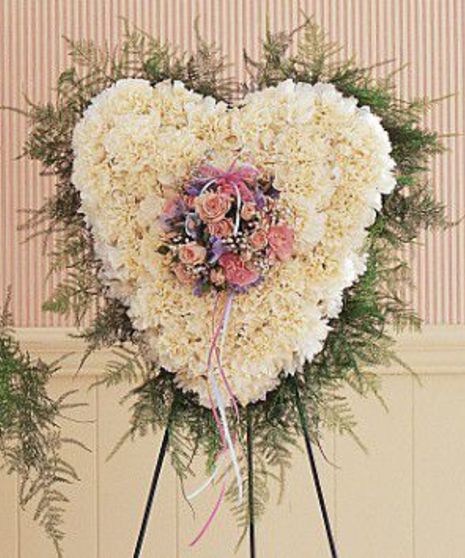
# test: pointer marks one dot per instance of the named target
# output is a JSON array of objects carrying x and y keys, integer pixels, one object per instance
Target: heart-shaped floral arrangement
[
  {"x": 238, "y": 257},
  {"x": 230, "y": 233}
]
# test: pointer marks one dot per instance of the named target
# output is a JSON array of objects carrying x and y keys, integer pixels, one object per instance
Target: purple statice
[
  {"x": 179, "y": 207},
  {"x": 194, "y": 189},
  {"x": 273, "y": 192},
  {"x": 199, "y": 285},
  {"x": 217, "y": 249},
  {"x": 259, "y": 199},
  {"x": 166, "y": 223}
]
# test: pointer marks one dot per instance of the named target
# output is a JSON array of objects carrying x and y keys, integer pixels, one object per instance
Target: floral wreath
[{"x": 243, "y": 253}]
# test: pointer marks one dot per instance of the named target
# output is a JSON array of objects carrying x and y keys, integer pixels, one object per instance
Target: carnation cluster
[
  {"x": 143, "y": 158},
  {"x": 225, "y": 229}
]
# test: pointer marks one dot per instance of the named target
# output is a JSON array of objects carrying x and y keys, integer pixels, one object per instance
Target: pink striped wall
[{"x": 429, "y": 34}]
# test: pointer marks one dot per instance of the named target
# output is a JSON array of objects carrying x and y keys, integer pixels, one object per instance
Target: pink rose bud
[
  {"x": 173, "y": 207},
  {"x": 184, "y": 276},
  {"x": 222, "y": 229},
  {"x": 236, "y": 271},
  {"x": 258, "y": 239},
  {"x": 192, "y": 254},
  {"x": 248, "y": 211},
  {"x": 281, "y": 241}
]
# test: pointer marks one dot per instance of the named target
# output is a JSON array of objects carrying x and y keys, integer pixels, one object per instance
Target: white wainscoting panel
[{"x": 404, "y": 498}]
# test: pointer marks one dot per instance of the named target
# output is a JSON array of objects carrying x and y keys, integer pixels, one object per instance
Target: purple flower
[
  {"x": 166, "y": 223},
  {"x": 194, "y": 190},
  {"x": 217, "y": 249},
  {"x": 174, "y": 207},
  {"x": 273, "y": 192},
  {"x": 259, "y": 199},
  {"x": 198, "y": 287}
]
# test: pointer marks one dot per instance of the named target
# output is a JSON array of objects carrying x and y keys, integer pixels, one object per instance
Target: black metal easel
[
  {"x": 151, "y": 496},
  {"x": 313, "y": 467},
  {"x": 252, "y": 543},
  {"x": 250, "y": 491}
]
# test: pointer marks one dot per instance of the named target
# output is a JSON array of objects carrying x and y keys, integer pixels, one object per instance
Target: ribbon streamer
[
  {"x": 229, "y": 441},
  {"x": 211, "y": 517},
  {"x": 218, "y": 406},
  {"x": 209, "y": 481},
  {"x": 219, "y": 332}
]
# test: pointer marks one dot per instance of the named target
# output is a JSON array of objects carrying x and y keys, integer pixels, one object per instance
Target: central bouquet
[{"x": 226, "y": 230}]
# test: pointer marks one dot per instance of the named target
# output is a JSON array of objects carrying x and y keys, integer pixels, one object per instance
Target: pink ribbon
[
  {"x": 214, "y": 348},
  {"x": 211, "y": 516},
  {"x": 232, "y": 181},
  {"x": 228, "y": 441},
  {"x": 245, "y": 173}
]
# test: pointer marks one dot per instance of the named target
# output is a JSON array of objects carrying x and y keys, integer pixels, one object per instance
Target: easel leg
[
  {"x": 250, "y": 486},
  {"x": 316, "y": 479},
  {"x": 150, "y": 498}
]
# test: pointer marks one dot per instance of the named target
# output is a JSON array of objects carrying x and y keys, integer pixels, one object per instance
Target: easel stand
[
  {"x": 313, "y": 467},
  {"x": 151, "y": 496}
]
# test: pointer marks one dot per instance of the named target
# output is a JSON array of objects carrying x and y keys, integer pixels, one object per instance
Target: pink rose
[
  {"x": 173, "y": 207},
  {"x": 248, "y": 211},
  {"x": 222, "y": 229},
  {"x": 258, "y": 239},
  {"x": 212, "y": 207},
  {"x": 183, "y": 275},
  {"x": 217, "y": 277},
  {"x": 281, "y": 240},
  {"x": 236, "y": 271},
  {"x": 192, "y": 254}
]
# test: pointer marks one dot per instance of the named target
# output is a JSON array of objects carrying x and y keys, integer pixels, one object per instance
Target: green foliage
[
  {"x": 31, "y": 442},
  {"x": 358, "y": 340}
]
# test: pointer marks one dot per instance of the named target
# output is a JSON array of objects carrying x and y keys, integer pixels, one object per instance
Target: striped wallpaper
[{"x": 428, "y": 34}]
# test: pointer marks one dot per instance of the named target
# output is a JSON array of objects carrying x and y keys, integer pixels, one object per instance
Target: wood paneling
[
  {"x": 439, "y": 498},
  {"x": 404, "y": 498},
  {"x": 375, "y": 490}
]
